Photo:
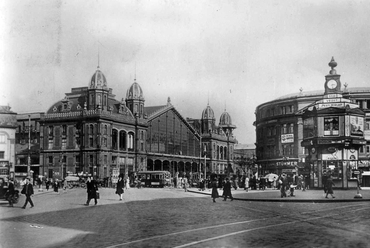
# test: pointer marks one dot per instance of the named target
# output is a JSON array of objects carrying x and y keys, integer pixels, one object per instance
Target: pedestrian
[
  {"x": 28, "y": 192},
  {"x": 91, "y": 191},
  {"x": 227, "y": 190},
  {"x": 246, "y": 184},
  {"x": 324, "y": 183},
  {"x": 47, "y": 184},
  {"x": 214, "y": 194},
  {"x": 329, "y": 187},
  {"x": 185, "y": 182},
  {"x": 127, "y": 183},
  {"x": 120, "y": 186},
  {"x": 283, "y": 182},
  {"x": 56, "y": 186},
  {"x": 65, "y": 184},
  {"x": 10, "y": 193}
]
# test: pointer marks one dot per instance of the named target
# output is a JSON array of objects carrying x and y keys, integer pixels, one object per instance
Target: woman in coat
[
  {"x": 214, "y": 194},
  {"x": 120, "y": 186},
  {"x": 329, "y": 187},
  {"x": 91, "y": 191}
]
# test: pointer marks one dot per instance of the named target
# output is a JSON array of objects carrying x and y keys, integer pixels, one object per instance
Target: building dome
[
  {"x": 208, "y": 113},
  {"x": 135, "y": 92},
  {"x": 225, "y": 119},
  {"x": 98, "y": 81}
]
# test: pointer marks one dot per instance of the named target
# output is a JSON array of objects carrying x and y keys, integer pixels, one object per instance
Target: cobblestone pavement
[{"x": 174, "y": 218}]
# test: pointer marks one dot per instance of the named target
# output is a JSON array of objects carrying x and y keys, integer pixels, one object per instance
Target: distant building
[
  {"x": 27, "y": 145},
  {"x": 299, "y": 133},
  {"x": 8, "y": 125},
  {"x": 217, "y": 141}
]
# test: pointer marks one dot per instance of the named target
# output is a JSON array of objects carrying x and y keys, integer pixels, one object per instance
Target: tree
[{"x": 245, "y": 164}]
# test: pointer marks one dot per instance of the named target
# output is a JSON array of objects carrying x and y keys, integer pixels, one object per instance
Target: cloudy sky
[{"x": 234, "y": 54}]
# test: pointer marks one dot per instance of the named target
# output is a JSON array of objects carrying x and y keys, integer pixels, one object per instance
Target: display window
[{"x": 334, "y": 168}]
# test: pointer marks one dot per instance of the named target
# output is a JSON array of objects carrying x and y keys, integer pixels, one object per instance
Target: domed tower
[
  {"x": 226, "y": 123},
  {"x": 208, "y": 120},
  {"x": 98, "y": 91},
  {"x": 135, "y": 100}
]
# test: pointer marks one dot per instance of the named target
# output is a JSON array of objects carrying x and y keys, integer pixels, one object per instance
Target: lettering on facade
[
  {"x": 330, "y": 105},
  {"x": 287, "y": 138}
]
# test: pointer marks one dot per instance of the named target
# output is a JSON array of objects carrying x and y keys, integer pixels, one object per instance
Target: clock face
[{"x": 332, "y": 84}]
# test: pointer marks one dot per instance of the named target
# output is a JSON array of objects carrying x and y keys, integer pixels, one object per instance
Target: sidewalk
[{"x": 311, "y": 195}]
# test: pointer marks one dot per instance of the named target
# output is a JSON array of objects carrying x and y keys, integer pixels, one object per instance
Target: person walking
[
  {"x": 47, "y": 184},
  {"x": 56, "y": 186},
  {"x": 10, "y": 192},
  {"x": 28, "y": 192},
  {"x": 246, "y": 184},
  {"x": 214, "y": 194},
  {"x": 329, "y": 187},
  {"x": 65, "y": 185},
  {"x": 91, "y": 191},
  {"x": 283, "y": 182},
  {"x": 185, "y": 181},
  {"x": 227, "y": 190},
  {"x": 127, "y": 183},
  {"x": 120, "y": 186}
]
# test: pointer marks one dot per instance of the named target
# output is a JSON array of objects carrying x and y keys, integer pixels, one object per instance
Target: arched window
[{"x": 130, "y": 141}]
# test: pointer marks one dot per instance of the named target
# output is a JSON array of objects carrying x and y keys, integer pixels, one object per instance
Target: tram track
[{"x": 273, "y": 219}]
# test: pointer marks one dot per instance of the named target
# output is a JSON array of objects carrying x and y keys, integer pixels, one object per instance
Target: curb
[{"x": 290, "y": 200}]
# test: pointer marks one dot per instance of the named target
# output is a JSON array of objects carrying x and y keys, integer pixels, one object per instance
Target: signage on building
[
  {"x": 4, "y": 163},
  {"x": 330, "y": 105},
  {"x": 330, "y": 141},
  {"x": 115, "y": 174},
  {"x": 287, "y": 138},
  {"x": 333, "y": 96},
  {"x": 331, "y": 100},
  {"x": 357, "y": 125}
]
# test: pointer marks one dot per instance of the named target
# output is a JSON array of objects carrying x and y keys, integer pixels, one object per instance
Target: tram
[{"x": 155, "y": 178}]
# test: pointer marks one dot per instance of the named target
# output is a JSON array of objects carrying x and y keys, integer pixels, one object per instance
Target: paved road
[{"x": 174, "y": 218}]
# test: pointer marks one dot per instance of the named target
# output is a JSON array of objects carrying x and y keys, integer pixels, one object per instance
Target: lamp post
[{"x": 29, "y": 147}]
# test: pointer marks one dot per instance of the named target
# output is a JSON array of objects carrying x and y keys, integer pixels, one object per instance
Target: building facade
[
  {"x": 8, "y": 125},
  {"x": 280, "y": 129},
  {"x": 217, "y": 142},
  {"x": 90, "y": 132},
  {"x": 27, "y": 146}
]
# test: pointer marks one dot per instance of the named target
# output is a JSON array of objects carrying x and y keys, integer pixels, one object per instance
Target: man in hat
[
  {"x": 227, "y": 190},
  {"x": 28, "y": 191}
]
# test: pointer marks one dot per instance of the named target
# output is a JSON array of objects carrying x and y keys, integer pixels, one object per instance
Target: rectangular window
[
  {"x": 283, "y": 110},
  {"x": 361, "y": 149},
  {"x": 331, "y": 126},
  {"x": 2, "y": 138},
  {"x": 291, "y": 128},
  {"x": 284, "y": 128},
  {"x": 50, "y": 159},
  {"x": 367, "y": 149},
  {"x": 2, "y": 154}
]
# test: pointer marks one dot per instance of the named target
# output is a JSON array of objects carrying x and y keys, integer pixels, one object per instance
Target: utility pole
[{"x": 29, "y": 147}]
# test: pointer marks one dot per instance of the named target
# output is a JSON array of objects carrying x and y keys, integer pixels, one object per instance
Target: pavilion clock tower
[{"x": 332, "y": 81}]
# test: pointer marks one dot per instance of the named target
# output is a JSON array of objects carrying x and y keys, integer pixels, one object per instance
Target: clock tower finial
[
  {"x": 332, "y": 80},
  {"x": 332, "y": 64}
]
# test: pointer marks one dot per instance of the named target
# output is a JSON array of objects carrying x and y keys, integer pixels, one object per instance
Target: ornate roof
[
  {"x": 208, "y": 113},
  {"x": 98, "y": 81},
  {"x": 135, "y": 92},
  {"x": 225, "y": 119}
]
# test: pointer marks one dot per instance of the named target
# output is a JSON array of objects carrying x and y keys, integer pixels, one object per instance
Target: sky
[{"x": 232, "y": 55}]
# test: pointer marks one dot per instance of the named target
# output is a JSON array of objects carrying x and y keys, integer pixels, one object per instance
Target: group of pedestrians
[{"x": 227, "y": 184}]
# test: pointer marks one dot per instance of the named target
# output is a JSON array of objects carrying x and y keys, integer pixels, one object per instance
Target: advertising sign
[
  {"x": 115, "y": 174},
  {"x": 287, "y": 138},
  {"x": 332, "y": 153},
  {"x": 357, "y": 125}
]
